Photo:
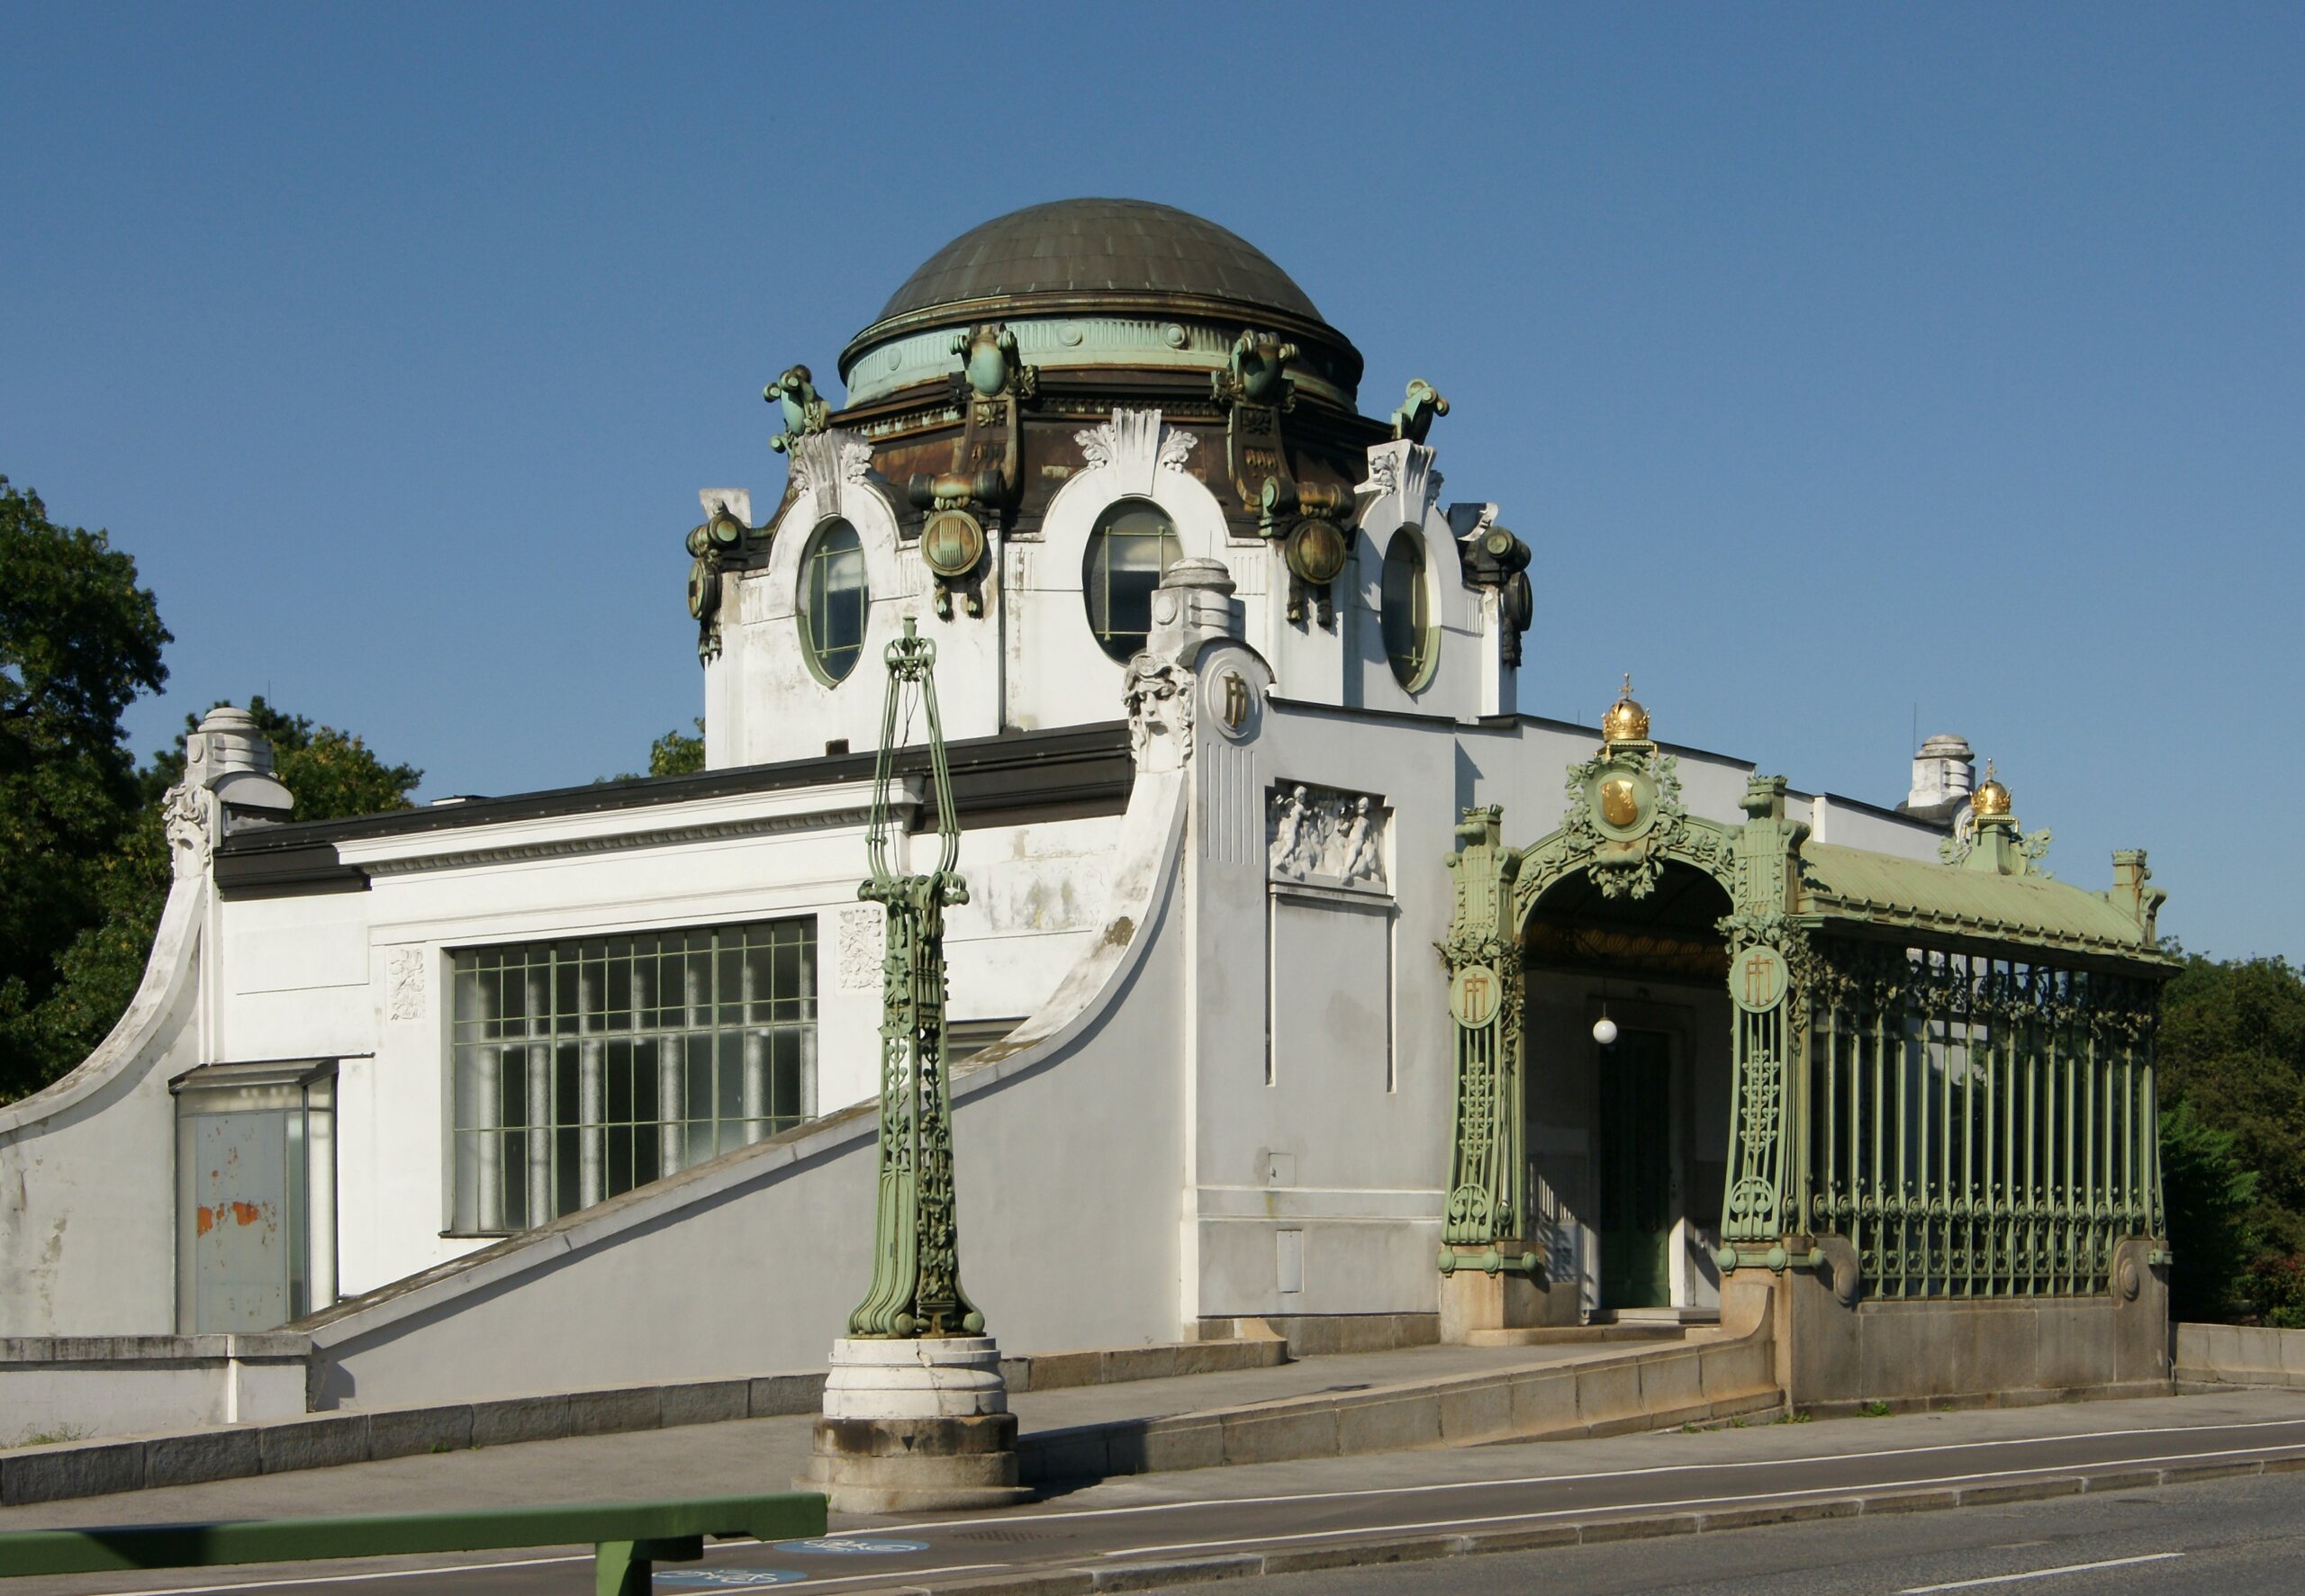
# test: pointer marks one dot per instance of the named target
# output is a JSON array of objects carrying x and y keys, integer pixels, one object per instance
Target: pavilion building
[{"x": 1305, "y": 976}]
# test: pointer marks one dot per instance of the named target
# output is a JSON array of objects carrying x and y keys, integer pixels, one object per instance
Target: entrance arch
[
  {"x": 1627, "y": 1139},
  {"x": 1625, "y": 850}
]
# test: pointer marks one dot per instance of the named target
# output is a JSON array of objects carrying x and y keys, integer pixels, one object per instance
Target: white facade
[{"x": 1227, "y": 1086}]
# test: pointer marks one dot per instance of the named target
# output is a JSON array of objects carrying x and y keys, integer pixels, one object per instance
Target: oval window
[
  {"x": 1406, "y": 612},
  {"x": 1133, "y": 543},
  {"x": 834, "y": 597}
]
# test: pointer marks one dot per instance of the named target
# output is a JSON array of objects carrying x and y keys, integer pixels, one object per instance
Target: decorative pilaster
[
  {"x": 1768, "y": 953},
  {"x": 1484, "y": 1223}
]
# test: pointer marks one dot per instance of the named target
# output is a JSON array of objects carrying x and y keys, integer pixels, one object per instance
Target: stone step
[{"x": 1551, "y": 1335}]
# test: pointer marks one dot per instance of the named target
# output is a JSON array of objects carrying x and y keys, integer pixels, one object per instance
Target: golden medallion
[{"x": 1620, "y": 802}]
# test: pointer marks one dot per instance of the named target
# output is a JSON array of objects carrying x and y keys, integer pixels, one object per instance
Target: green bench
[{"x": 628, "y": 1537}]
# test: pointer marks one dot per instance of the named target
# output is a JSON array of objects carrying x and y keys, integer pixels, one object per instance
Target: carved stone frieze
[
  {"x": 1325, "y": 837},
  {"x": 827, "y": 462},
  {"x": 404, "y": 984},
  {"x": 1135, "y": 445},
  {"x": 862, "y": 934}
]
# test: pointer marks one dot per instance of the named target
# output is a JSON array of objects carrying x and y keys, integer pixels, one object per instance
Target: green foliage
[
  {"x": 2276, "y": 1287},
  {"x": 334, "y": 773},
  {"x": 2232, "y": 1042},
  {"x": 2210, "y": 1193},
  {"x": 676, "y": 753},
  {"x": 84, "y": 857},
  {"x": 78, "y": 640}
]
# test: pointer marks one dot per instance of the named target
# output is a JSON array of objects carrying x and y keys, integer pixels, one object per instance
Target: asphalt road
[
  {"x": 2223, "y": 1537},
  {"x": 2242, "y": 1534}
]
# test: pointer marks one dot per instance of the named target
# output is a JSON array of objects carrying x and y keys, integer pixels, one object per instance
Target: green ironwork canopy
[{"x": 1948, "y": 1065}]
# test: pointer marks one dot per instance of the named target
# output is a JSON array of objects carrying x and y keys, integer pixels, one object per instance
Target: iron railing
[{"x": 1979, "y": 1126}]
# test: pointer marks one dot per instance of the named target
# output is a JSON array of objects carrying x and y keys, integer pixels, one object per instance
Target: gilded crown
[
  {"x": 1625, "y": 721},
  {"x": 1990, "y": 801}
]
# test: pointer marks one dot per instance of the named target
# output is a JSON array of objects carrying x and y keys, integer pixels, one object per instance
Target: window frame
[
  {"x": 1092, "y": 568},
  {"x": 612, "y": 1050},
  {"x": 806, "y": 594},
  {"x": 1423, "y": 616}
]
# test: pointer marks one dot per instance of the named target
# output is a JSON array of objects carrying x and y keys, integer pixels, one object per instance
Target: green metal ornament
[{"x": 916, "y": 1259}]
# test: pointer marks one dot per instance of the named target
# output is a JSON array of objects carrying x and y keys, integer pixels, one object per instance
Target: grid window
[
  {"x": 834, "y": 595},
  {"x": 584, "y": 1069},
  {"x": 1132, "y": 544}
]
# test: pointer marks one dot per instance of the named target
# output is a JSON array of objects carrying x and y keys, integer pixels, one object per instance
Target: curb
[
  {"x": 1598, "y": 1531},
  {"x": 1616, "y": 1392},
  {"x": 102, "y": 1465}
]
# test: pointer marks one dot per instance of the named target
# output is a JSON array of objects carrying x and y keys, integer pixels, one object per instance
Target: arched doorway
[{"x": 1627, "y": 1137}]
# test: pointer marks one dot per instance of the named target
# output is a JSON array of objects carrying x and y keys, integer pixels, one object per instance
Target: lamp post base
[{"x": 915, "y": 1424}]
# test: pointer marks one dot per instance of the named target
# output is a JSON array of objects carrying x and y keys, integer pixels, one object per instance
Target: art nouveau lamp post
[{"x": 915, "y": 1413}]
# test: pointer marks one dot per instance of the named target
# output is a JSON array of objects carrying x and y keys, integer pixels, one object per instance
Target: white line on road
[
  {"x": 1588, "y": 1511},
  {"x": 1067, "y": 1514},
  {"x": 331, "y": 1578},
  {"x": 405, "y": 1574},
  {"x": 2038, "y": 1573}
]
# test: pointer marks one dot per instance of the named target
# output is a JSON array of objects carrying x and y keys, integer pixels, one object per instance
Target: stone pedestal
[
  {"x": 915, "y": 1424},
  {"x": 1473, "y": 1300}
]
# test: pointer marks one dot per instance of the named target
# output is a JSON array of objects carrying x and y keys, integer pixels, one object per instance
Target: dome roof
[{"x": 1072, "y": 249}]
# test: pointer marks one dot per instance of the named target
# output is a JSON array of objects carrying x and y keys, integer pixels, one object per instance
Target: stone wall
[
  {"x": 2240, "y": 1355},
  {"x": 1837, "y": 1349}
]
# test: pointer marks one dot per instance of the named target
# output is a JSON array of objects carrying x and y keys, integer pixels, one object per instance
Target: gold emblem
[
  {"x": 1236, "y": 700},
  {"x": 1620, "y": 802},
  {"x": 1473, "y": 996},
  {"x": 1758, "y": 979}
]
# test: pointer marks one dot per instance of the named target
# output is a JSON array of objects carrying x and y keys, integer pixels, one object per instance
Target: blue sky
[{"x": 1836, "y": 362}]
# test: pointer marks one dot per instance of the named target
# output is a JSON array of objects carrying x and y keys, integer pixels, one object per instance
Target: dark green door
[{"x": 1636, "y": 1170}]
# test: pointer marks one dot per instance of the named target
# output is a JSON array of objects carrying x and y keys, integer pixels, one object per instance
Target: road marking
[
  {"x": 1639, "y": 1507},
  {"x": 1628, "y": 1474},
  {"x": 2038, "y": 1573},
  {"x": 333, "y": 1579},
  {"x": 405, "y": 1574}
]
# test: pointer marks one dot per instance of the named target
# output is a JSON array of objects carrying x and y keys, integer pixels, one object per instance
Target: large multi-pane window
[
  {"x": 1132, "y": 544},
  {"x": 586, "y": 1068}
]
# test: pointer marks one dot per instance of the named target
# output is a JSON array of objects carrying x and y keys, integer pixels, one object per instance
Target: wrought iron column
[
  {"x": 916, "y": 1259},
  {"x": 1485, "y": 1222},
  {"x": 1768, "y": 1021}
]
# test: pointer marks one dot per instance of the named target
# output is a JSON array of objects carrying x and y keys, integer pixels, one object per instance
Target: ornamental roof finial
[
  {"x": 1991, "y": 800},
  {"x": 1626, "y": 721}
]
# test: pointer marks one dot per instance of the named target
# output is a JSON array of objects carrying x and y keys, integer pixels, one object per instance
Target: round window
[
  {"x": 834, "y": 597},
  {"x": 1133, "y": 543},
  {"x": 1406, "y": 612}
]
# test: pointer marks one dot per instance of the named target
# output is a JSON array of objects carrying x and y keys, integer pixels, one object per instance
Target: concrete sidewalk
[
  {"x": 1171, "y": 1528},
  {"x": 767, "y": 1453}
]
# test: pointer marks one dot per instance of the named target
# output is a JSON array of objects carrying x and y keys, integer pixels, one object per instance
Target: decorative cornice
[{"x": 848, "y": 805}]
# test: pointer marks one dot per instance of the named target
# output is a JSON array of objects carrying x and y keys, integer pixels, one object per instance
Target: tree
[
  {"x": 2232, "y": 1042},
  {"x": 2208, "y": 1195},
  {"x": 78, "y": 641},
  {"x": 676, "y": 753},
  {"x": 334, "y": 773}
]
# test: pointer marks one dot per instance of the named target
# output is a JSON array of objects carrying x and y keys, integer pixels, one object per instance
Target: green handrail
[{"x": 628, "y": 1537}]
